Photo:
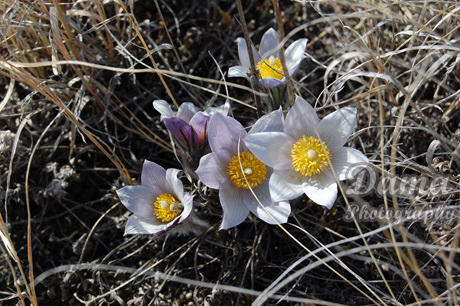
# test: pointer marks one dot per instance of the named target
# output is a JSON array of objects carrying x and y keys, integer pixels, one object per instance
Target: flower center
[
  {"x": 310, "y": 156},
  {"x": 254, "y": 171},
  {"x": 271, "y": 68},
  {"x": 167, "y": 208}
]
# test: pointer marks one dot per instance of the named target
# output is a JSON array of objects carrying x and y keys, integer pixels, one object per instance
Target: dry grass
[{"x": 76, "y": 121}]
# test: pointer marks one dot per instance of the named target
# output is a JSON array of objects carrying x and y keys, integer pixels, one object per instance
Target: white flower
[
  {"x": 302, "y": 156},
  {"x": 222, "y": 170},
  {"x": 159, "y": 204},
  {"x": 267, "y": 60}
]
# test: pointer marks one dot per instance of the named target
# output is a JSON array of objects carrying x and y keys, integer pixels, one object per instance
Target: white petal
[
  {"x": 271, "y": 122},
  {"x": 224, "y": 109},
  {"x": 212, "y": 172},
  {"x": 243, "y": 53},
  {"x": 173, "y": 184},
  {"x": 269, "y": 44},
  {"x": 221, "y": 109},
  {"x": 271, "y": 82},
  {"x": 322, "y": 189},
  {"x": 187, "y": 201},
  {"x": 238, "y": 72},
  {"x": 280, "y": 211},
  {"x": 186, "y": 111},
  {"x": 235, "y": 211},
  {"x": 136, "y": 225},
  {"x": 285, "y": 185},
  {"x": 267, "y": 210},
  {"x": 347, "y": 162},
  {"x": 295, "y": 54},
  {"x": 163, "y": 108},
  {"x": 336, "y": 128},
  {"x": 272, "y": 148},
  {"x": 139, "y": 200},
  {"x": 153, "y": 175},
  {"x": 301, "y": 119}
]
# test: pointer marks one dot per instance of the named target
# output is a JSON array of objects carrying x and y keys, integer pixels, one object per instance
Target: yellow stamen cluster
[
  {"x": 254, "y": 170},
  {"x": 167, "y": 208},
  {"x": 271, "y": 68},
  {"x": 310, "y": 156}
]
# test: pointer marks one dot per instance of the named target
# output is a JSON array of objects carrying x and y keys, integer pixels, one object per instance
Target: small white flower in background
[
  {"x": 232, "y": 169},
  {"x": 159, "y": 204},
  {"x": 303, "y": 154},
  {"x": 189, "y": 125},
  {"x": 267, "y": 60}
]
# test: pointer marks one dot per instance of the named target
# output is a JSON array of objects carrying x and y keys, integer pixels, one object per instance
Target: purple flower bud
[
  {"x": 182, "y": 131},
  {"x": 199, "y": 123},
  {"x": 188, "y": 125}
]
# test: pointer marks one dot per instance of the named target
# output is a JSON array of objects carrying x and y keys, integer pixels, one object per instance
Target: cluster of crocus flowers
[
  {"x": 259, "y": 170},
  {"x": 256, "y": 172}
]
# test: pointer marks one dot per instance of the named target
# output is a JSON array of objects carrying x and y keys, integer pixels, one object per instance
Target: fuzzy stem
[{"x": 253, "y": 74}]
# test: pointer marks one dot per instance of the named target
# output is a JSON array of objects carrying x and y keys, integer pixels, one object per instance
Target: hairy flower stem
[
  {"x": 278, "y": 98},
  {"x": 254, "y": 73},
  {"x": 279, "y": 22}
]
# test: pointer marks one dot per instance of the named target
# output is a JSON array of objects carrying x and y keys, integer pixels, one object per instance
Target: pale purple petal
[
  {"x": 295, "y": 54},
  {"x": 174, "y": 184},
  {"x": 321, "y": 189},
  {"x": 199, "y": 123},
  {"x": 336, "y": 128},
  {"x": 269, "y": 44},
  {"x": 186, "y": 111},
  {"x": 301, "y": 119},
  {"x": 187, "y": 201},
  {"x": 212, "y": 172},
  {"x": 271, "y": 122},
  {"x": 243, "y": 52},
  {"x": 153, "y": 176},
  {"x": 238, "y": 72},
  {"x": 182, "y": 131},
  {"x": 271, "y": 210},
  {"x": 222, "y": 109},
  {"x": 347, "y": 162},
  {"x": 163, "y": 108},
  {"x": 136, "y": 225},
  {"x": 279, "y": 210},
  {"x": 244, "y": 55},
  {"x": 235, "y": 211},
  {"x": 271, "y": 82},
  {"x": 224, "y": 134},
  {"x": 285, "y": 185},
  {"x": 272, "y": 148},
  {"x": 139, "y": 200}
]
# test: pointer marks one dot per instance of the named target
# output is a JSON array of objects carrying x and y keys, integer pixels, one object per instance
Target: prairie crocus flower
[
  {"x": 188, "y": 125},
  {"x": 304, "y": 155},
  {"x": 267, "y": 60},
  {"x": 159, "y": 204},
  {"x": 235, "y": 171}
]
